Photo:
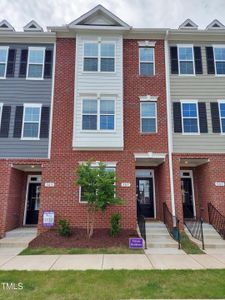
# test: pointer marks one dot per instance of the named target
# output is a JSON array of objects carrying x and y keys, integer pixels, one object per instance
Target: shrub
[
  {"x": 64, "y": 228},
  {"x": 115, "y": 224}
]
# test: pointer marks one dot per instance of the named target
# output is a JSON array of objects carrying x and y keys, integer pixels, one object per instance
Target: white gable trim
[
  {"x": 8, "y": 27},
  {"x": 32, "y": 26},
  {"x": 186, "y": 22},
  {"x": 211, "y": 25},
  {"x": 106, "y": 13}
]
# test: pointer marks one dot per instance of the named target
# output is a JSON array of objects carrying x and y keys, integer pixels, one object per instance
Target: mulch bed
[{"x": 78, "y": 239}]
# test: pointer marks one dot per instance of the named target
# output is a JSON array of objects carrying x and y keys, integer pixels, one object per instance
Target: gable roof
[
  {"x": 188, "y": 24},
  {"x": 32, "y": 26},
  {"x": 99, "y": 16},
  {"x": 5, "y": 25},
  {"x": 215, "y": 24}
]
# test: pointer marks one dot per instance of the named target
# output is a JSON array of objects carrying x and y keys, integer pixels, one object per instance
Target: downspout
[{"x": 169, "y": 125}]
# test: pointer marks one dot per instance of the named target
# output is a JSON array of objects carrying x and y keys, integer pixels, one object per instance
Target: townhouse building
[{"x": 148, "y": 102}]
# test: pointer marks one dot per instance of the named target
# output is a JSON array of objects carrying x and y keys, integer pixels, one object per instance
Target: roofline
[{"x": 30, "y": 34}]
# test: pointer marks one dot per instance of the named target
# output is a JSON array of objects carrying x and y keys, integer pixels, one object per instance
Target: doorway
[{"x": 188, "y": 199}]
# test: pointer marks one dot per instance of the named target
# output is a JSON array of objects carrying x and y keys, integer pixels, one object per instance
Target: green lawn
[
  {"x": 51, "y": 251},
  {"x": 109, "y": 285},
  {"x": 188, "y": 246}
]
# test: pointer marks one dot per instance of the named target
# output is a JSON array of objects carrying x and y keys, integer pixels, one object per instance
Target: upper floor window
[
  {"x": 146, "y": 60},
  {"x": 219, "y": 58},
  {"x": 222, "y": 115},
  {"x": 98, "y": 114},
  {"x": 190, "y": 122},
  {"x": 99, "y": 57},
  {"x": 1, "y": 106},
  {"x": 186, "y": 60},
  {"x": 3, "y": 61},
  {"x": 31, "y": 121},
  {"x": 148, "y": 117},
  {"x": 36, "y": 58}
]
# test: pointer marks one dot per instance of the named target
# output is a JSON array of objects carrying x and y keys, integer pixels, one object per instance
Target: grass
[
  {"x": 51, "y": 251},
  {"x": 188, "y": 246},
  {"x": 109, "y": 285}
]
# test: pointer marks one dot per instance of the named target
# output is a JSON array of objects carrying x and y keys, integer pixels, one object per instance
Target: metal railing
[
  {"x": 141, "y": 223},
  {"x": 217, "y": 220},
  {"x": 172, "y": 224},
  {"x": 195, "y": 227}
]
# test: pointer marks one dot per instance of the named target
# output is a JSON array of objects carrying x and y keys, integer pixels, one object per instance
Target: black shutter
[
  {"x": 6, "y": 111},
  {"x": 23, "y": 63},
  {"x": 174, "y": 60},
  {"x": 11, "y": 63},
  {"x": 202, "y": 117},
  {"x": 198, "y": 60},
  {"x": 215, "y": 117},
  {"x": 48, "y": 64},
  {"x": 177, "y": 117},
  {"x": 210, "y": 60},
  {"x": 18, "y": 122},
  {"x": 45, "y": 114}
]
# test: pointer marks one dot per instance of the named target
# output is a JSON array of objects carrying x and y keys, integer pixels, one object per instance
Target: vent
[
  {"x": 32, "y": 26},
  {"x": 188, "y": 24},
  {"x": 6, "y": 26},
  {"x": 215, "y": 24}
]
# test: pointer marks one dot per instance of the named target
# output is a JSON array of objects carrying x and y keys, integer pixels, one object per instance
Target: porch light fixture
[
  {"x": 186, "y": 162},
  {"x": 32, "y": 166}
]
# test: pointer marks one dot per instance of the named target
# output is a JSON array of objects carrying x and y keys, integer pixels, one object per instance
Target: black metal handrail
[
  {"x": 195, "y": 227},
  {"x": 172, "y": 224},
  {"x": 141, "y": 223},
  {"x": 217, "y": 220}
]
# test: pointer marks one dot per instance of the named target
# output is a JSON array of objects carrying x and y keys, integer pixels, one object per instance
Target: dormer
[
  {"x": 6, "y": 26},
  {"x": 32, "y": 26},
  {"x": 188, "y": 24},
  {"x": 99, "y": 18},
  {"x": 215, "y": 24}
]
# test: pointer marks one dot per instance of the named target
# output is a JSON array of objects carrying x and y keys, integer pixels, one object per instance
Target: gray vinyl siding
[
  {"x": 204, "y": 88},
  {"x": 15, "y": 92}
]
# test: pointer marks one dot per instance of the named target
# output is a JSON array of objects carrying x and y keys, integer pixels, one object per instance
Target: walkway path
[{"x": 112, "y": 261}]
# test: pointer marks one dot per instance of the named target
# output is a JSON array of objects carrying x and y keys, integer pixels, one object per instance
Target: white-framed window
[
  {"x": 190, "y": 119},
  {"x": 221, "y": 104},
  {"x": 219, "y": 59},
  {"x": 31, "y": 121},
  {"x": 148, "y": 117},
  {"x": 1, "y": 107},
  {"x": 81, "y": 190},
  {"x": 3, "y": 61},
  {"x": 186, "y": 60},
  {"x": 146, "y": 61},
  {"x": 99, "y": 57},
  {"x": 98, "y": 114},
  {"x": 35, "y": 65}
]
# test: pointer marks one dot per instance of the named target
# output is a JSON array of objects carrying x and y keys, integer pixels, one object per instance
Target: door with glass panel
[{"x": 145, "y": 196}]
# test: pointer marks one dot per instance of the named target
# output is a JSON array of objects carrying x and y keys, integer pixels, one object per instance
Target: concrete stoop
[
  {"x": 16, "y": 240},
  {"x": 212, "y": 239}
]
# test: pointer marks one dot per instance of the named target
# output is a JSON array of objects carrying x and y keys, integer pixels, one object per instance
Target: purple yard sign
[
  {"x": 48, "y": 218},
  {"x": 136, "y": 243}
]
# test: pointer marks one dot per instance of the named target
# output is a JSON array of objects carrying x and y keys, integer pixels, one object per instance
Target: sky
[{"x": 137, "y": 13}]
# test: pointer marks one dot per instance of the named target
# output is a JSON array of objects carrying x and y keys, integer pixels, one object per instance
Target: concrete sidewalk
[{"x": 112, "y": 261}]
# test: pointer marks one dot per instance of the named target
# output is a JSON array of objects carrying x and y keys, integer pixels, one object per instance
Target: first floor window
[
  {"x": 190, "y": 117},
  {"x": 3, "y": 61},
  {"x": 31, "y": 121},
  {"x": 186, "y": 60},
  {"x": 219, "y": 56},
  {"x": 146, "y": 58},
  {"x": 148, "y": 117},
  {"x": 36, "y": 59},
  {"x": 98, "y": 114},
  {"x": 222, "y": 115}
]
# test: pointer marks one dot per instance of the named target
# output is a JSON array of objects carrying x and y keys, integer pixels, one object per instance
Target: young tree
[{"x": 98, "y": 189}]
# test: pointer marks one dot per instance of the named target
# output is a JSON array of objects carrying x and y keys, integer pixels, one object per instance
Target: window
[
  {"x": 222, "y": 115},
  {"x": 98, "y": 114},
  {"x": 36, "y": 59},
  {"x": 31, "y": 121},
  {"x": 146, "y": 58},
  {"x": 82, "y": 197},
  {"x": 1, "y": 107},
  {"x": 190, "y": 117},
  {"x": 99, "y": 57},
  {"x": 186, "y": 60},
  {"x": 219, "y": 58},
  {"x": 3, "y": 61},
  {"x": 148, "y": 117}
]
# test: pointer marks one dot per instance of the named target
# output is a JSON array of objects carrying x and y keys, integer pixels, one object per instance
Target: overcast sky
[{"x": 137, "y": 13}]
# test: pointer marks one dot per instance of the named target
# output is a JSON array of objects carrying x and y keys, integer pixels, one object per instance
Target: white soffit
[
  {"x": 32, "y": 26},
  {"x": 188, "y": 24},
  {"x": 215, "y": 24},
  {"x": 6, "y": 26}
]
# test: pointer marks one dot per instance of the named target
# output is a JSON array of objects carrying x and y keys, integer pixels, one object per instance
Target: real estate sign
[{"x": 48, "y": 218}]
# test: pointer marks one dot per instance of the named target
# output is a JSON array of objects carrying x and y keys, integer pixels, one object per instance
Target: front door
[
  {"x": 145, "y": 196},
  {"x": 33, "y": 203},
  {"x": 187, "y": 197}
]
